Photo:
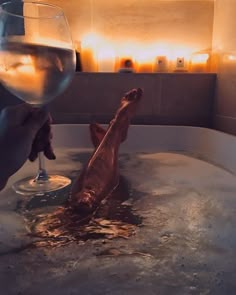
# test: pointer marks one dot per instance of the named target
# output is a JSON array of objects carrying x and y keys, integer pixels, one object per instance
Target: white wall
[{"x": 183, "y": 22}]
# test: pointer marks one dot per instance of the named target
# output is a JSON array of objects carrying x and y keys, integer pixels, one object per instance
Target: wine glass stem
[{"x": 42, "y": 175}]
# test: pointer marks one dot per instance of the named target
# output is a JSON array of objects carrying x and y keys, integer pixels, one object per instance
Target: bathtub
[{"x": 182, "y": 184}]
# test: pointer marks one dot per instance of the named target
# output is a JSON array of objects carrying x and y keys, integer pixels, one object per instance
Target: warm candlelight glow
[
  {"x": 145, "y": 67},
  {"x": 125, "y": 64},
  {"x": 231, "y": 57},
  {"x": 180, "y": 57},
  {"x": 161, "y": 64},
  {"x": 145, "y": 59},
  {"x": 199, "y": 58},
  {"x": 88, "y": 52},
  {"x": 106, "y": 59},
  {"x": 199, "y": 62},
  {"x": 26, "y": 66},
  {"x": 103, "y": 55},
  {"x": 125, "y": 56},
  {"x": 19, "y": 73}
]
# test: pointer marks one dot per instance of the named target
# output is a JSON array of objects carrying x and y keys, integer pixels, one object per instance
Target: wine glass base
[{"x": 29, "y": 186}]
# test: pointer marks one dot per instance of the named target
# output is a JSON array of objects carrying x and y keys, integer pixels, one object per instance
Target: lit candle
[
  {"x": 181, "y": 64},
  {"x": 106, "y": 59},
  {"x": 145, "y": 67},
  {"x": 199, "y": 62},
  {"x": 88, "y": 53},
  {"x": 161, "y": 64},
  {"x": 145, "y": 59},
  {"x": 125, "y": 65},
  {"x": 88, "y": 60}
]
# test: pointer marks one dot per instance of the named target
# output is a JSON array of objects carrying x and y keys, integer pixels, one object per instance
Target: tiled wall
[
  {"x": 224, "y": 43},
  {"x": 177, "y": 99}
]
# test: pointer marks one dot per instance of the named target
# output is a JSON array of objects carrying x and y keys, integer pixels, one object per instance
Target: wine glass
[{"x": 37, "y": 63}]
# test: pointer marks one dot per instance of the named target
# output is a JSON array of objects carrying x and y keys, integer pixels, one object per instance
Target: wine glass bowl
[
  {"x": 37, "y": 55},
  {"x": 37, "y": 63},
  {"x": 35, "y": 73}
]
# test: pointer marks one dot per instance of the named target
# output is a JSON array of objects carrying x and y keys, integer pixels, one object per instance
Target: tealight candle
[
  {"x": 181, "y": 64},
  {"x": 161, "y": 64},
  {"x": 125, "y": 65}
]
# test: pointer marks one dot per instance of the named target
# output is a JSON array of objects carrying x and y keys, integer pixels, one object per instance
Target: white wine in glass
[{"x": 37, "y": 63}]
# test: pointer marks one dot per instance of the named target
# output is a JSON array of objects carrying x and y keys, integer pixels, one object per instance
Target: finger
[
  {"x": 42, "y": 142},
  {"x": 49, "y": 153},
  {"x": 39, "y": 143},
  {"x": 33, "y": 155},
  {"x": 36, "y": 121}
]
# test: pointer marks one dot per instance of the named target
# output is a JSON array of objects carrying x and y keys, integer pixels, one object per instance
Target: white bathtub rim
[{"x": 212, "y": 145}]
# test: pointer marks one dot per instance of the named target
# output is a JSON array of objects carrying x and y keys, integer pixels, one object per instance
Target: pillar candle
[
  {"x": 106, "y": 60},
  {"x": 88, "y": 59}
]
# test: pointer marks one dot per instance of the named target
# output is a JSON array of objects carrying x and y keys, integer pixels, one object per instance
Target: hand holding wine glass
[
  {"x": 37, "y": 63},
  {"x": 18, "y": 128}
]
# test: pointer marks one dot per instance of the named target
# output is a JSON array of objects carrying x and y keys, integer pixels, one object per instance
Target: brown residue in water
[{"x": 113, "y": 219}]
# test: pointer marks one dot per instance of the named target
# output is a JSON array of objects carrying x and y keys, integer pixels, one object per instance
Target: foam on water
[{"x": 184, "y": 243}]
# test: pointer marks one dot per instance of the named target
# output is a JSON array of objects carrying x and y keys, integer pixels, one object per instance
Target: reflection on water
[{"x": 58, "y": 226}]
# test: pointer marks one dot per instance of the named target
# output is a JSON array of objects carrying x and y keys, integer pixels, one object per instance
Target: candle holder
[
  {"x": 125, "y": 65},
  {"x": 161, "y": 64},
  {"x": 181, "y": 64}
]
